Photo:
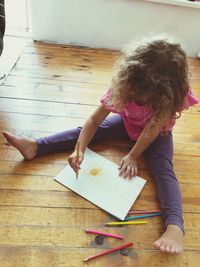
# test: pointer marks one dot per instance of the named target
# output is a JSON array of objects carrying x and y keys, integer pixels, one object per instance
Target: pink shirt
[{"x": 135, "y": 117}]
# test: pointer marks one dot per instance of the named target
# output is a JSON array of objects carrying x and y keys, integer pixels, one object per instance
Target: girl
[{"x": 148, "y": 92}]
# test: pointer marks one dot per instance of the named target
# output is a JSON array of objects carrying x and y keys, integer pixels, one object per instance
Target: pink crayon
[{"x": 104, "y": 234}]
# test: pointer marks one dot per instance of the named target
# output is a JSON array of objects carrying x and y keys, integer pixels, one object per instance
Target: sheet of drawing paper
[{"x": 98, "y": 182}]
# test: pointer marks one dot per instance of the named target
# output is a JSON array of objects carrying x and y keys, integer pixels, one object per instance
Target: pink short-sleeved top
[{"x": 135, "y": 117}]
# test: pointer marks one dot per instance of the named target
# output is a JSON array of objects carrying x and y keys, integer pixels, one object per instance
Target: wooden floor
[{"x": 53, "y": 88}]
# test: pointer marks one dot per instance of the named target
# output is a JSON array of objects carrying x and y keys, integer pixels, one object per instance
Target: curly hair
[{"x": 154, "y": 73}]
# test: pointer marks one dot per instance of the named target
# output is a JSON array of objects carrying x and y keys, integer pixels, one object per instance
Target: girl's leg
[
  {"x": 159, "y": 156},
  {"x": 111, "y": 127}
]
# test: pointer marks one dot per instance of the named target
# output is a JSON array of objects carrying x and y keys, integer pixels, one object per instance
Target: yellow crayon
[{"x": 126, "y": 223}]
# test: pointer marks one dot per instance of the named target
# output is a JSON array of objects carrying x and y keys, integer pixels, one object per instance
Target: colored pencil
[
  {"x": 125, "y": 223},
  {"x": 109, "y": 251},
  {"x": 104, "y": 234},
  {"x": 142, "y": 216},
  {"x": 77, "y": 156},
  {"x": 143, "y": 211}
]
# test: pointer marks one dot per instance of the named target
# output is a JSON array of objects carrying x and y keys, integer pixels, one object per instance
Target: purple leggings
[{"x": 159, "y": 156}]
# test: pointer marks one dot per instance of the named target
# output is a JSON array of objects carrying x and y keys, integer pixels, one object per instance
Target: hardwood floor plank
[
  {"x": 76, "y": 217},
  {"x": 55, "y": 256},
  {"x": 190, "y": 125},
  {"x": 24, "y": 106},
  {"x": 75, "y": 237},
  {"x": 57, "y": 94},
  {"x": 67, "y": 199}
]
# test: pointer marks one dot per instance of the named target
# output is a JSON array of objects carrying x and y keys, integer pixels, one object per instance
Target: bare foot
[
  {"x": 26, "y": 146},
  {"x": 171, "y": 240}
]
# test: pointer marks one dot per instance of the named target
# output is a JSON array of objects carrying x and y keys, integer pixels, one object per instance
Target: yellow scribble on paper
[{"x": 95, "y": 171}]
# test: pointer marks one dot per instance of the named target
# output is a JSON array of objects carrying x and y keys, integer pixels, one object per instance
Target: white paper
[{"x": 98, "y": 182}]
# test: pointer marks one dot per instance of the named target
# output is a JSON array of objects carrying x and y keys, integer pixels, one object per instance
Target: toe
[
  {"x": 168, "y": 248},
  {"x": 6, "y": 135},
  {"x": 178, "y": 250},
  {"x": 162, "y": 246},
  {"x": 173, "y": 249},
  {"x": 156, "y": 244}
]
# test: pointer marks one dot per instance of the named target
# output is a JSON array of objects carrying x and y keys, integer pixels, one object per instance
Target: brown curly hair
[{"x": 154, "y": 73}]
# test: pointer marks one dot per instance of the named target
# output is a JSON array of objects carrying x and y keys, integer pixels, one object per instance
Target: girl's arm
[
  {"x": 86, "y": 134},
  {"x": 148, "y": 135},
  {"x": 128, "y": 165},
  {"x": 91, "y": 125}
]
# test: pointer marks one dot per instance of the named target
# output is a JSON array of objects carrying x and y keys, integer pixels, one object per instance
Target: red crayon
[{"x": 109, "y": 251}]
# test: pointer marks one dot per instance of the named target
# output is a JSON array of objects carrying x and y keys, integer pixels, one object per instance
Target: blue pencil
[{"x": 142, "y": 216}]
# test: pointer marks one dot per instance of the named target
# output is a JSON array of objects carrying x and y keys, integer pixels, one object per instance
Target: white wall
[{"x": 112, "y": 23}]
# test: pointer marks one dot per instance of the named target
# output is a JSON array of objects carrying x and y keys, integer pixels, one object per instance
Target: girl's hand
[
  {"x": 128, "y": 167},
  {"x": 72, "y": 159}
]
